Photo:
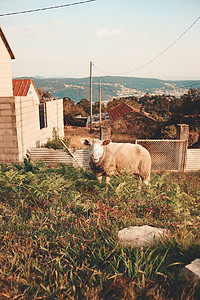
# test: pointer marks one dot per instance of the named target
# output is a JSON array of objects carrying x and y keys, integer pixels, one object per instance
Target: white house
[
  {"x": 25, "y": 87},
  {"x": 6, "y": 55},
  {"x": 24, "y": 123}
]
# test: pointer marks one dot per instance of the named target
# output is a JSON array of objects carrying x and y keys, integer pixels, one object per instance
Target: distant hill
[{"x": 112, "y": 87}]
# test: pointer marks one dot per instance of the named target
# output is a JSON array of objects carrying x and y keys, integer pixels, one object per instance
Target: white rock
[
  {"x": 143, "y": 236},
  {"x": 193, "y": 269}
]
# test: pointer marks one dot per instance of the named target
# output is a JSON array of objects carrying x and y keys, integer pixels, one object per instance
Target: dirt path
[{"x": 77, "y": 133}]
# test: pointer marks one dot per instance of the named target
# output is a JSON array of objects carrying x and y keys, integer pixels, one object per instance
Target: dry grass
[
  {"x": 122, "y": 138},
  {"x": 76, "y": 133}
]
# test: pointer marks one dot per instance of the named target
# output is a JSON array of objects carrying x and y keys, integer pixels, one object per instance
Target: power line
[
  {"x": 152, "y": 60},
  {"x": 108, "y": 87},
  {"x": 45, "y": 8},
  {"x": 188, "y": 84}
]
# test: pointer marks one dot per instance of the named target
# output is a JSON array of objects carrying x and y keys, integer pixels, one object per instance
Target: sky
[{"x": 143, "y": 38}]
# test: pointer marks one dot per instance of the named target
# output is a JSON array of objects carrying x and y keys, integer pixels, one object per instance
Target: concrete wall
[
  {"x": 5, "y": 72},
  {"x": 54, "y": 120},
  {"x": 20, "y": 127},
  {"x": 55, "y": 115},
  {"x": 8, "y": 131},
  {"x": 27, "y": 124}
]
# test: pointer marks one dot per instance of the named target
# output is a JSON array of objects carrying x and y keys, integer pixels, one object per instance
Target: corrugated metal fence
[
  {"x": 51, "y": 156},
  {"x": 193, "y": 160}
]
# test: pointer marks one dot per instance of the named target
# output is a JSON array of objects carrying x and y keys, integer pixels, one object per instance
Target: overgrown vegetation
[
  {"x": 56, "y": 142},
  {"x": 166, "y": 109},
  {"x": 58, "y": 234}
]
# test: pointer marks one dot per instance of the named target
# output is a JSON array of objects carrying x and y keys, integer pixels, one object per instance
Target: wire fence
[{"x": 167, "y": 155}]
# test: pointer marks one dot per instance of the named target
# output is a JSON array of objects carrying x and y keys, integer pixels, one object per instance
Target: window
[{"x": 43, "y": 115}]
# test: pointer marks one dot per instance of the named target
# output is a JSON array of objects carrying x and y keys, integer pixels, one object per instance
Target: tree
[
  {"x": 190, "y": 103},
  {"x": 85, "y": 105},
  {"x": 46, "y": 95},
  {"x": 95, "y": 108},
  {"x": 68, "y": 104}
]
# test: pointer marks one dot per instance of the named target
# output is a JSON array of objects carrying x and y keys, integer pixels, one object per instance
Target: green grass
[{"x": 58, "y": 234}]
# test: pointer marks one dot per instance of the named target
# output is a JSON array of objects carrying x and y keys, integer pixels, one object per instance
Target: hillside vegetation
[
  {"x": 58, "y": 234},
  {"x": 167, "y": 110},
  {"x": 112, "y": 86}
]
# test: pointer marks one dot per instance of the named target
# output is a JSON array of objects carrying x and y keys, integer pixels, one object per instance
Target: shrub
[
  {"x": 169, "y": 132},
  {"x": 55, "y": 142}
]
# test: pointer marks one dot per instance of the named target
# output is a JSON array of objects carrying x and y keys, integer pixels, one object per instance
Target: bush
[
  {"x": 55, "y": 142},
  {"x": 169, "y": 132}
]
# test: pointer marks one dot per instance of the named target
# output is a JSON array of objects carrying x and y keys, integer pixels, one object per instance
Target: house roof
[
  {"x": 22, "y": 86},
  {"x": 3, "y": 37},
  {"x": 123, "y": 109}
]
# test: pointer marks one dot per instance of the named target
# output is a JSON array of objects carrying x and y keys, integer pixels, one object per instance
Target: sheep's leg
[
  {"x": 107, "y": 182},
  {"x": 107, "y": 179},
  {"x": 146, "y": 180},
  {"x": 99, "y": 178}
]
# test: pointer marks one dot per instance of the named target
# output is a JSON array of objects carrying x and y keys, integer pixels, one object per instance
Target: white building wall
[
  {"x": 5, "y": 72},
  {"x": 27, "y": 123},
  {"x": 55, "y": 116},
  {"x": 32, "y": 93},
  {"x": 20, "y": 126}
]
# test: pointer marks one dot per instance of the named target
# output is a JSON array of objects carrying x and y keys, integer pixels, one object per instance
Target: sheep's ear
[
  {"x": 106, "y": 142},
  {"x": 85, "y": 142}
]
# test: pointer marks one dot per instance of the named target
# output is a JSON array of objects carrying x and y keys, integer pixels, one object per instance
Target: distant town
[{"x": 112, "y": 87}]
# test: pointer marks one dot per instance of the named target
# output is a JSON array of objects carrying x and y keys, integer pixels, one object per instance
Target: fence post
[
  {"x": 105, "y": 133},
  {"x": 183, "y": 134}
]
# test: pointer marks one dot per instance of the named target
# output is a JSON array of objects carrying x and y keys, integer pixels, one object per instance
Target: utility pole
[
  {"x": 99, "y": 102},
  {"x": 90, "y": 97}
]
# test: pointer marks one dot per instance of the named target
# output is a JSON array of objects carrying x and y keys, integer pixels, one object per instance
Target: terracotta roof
[
  {"x": 123, "y": 109},
  {"x": 6, "y": 44},
  {"x": 21, "y": 87}
]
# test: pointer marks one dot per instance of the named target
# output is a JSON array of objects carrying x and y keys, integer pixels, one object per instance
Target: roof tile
[
  {"x": 21, "y": 87},
  {"x": 123, "y": 109}
]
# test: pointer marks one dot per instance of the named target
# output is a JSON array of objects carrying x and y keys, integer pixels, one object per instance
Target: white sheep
[{"x": 106, "y": 158}]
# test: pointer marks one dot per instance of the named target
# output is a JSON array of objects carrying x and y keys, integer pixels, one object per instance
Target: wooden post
[
  {"x": 90, "y": 97},
  {"x": 105, "y": 133},
  {"x": 183, "y": 134},
  {"x": 99, "y": 102}
]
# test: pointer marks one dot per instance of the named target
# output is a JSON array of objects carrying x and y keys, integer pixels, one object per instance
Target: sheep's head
[{"x": 95, "y": 148}]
